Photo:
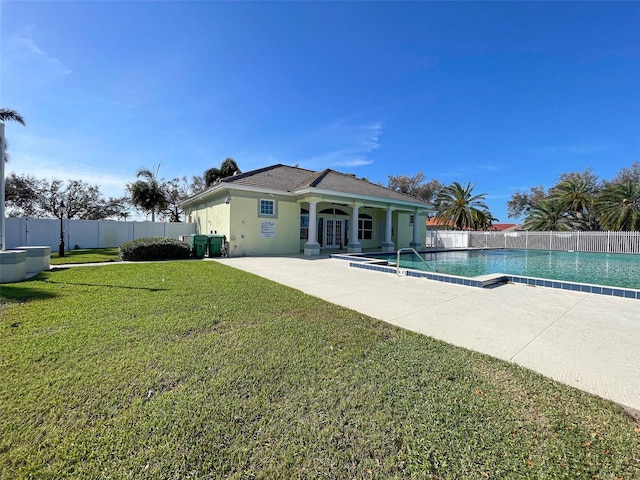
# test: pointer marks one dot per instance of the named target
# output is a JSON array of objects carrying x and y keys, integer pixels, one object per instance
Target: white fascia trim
[
  {"x": 428, "y": 208},
  {"x": 200, "y": 196},
  {"x": 229, "y": 187}
]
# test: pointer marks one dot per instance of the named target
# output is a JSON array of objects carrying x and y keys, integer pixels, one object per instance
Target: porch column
[
  {"x": 311, "y": 246},
  {"x": 354, "y": 245},
  {"x": 416, "y": 231},
  {"x": 387, "y": 245}
]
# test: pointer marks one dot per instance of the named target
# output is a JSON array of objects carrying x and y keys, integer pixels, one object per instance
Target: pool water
[{"x": 617, "y": 270}]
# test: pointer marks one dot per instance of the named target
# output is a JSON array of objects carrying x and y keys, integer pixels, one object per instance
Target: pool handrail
[{"x": 408, "y": 249}]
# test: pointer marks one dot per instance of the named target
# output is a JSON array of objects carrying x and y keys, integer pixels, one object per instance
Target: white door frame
[{"x": 333, "y": 232}]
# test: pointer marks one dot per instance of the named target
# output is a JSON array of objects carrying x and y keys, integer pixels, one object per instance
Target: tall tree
[
  {"x": 22, "y": 195},
  {"x": 28, "y": 196},
  {"x": 175, "y": 191},
  {"x": 415, "y": 186},
  {"x": 148, "y": 194},
  {"x": 627, "y": 175},
  {"x": 619, "y": 206},
  {"x": 458, "y": 207},
  {"x": 577, "y": 197},
  {"x": 521, "y": 202},
  {"x": 197, "y": 184},
  {"x": 7, "y": 115},
  {"x": 227, "y": 168},
  {"x": 85, "y": 202},
  {"x": 548, "y": 215}
]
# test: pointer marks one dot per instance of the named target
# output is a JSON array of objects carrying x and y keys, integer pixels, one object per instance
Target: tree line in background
[
  {"x": 578, "y": 201},
  {"x": 456, "y": 205},
  {"x": 28, "y": 196},
  {"x": 582, "y": 201}
]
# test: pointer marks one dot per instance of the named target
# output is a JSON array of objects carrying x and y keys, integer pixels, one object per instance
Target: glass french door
[{"x": 333, "y": 233}]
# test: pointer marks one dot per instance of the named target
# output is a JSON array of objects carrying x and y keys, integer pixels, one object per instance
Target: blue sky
[{"x": 505, "y": 95}]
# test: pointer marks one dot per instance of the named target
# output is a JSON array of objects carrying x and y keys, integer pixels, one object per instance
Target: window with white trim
[
  {"x": 365, "y": 227},
  {"x": 267, "y": 208},
  {"x": 304, "y": 224}
]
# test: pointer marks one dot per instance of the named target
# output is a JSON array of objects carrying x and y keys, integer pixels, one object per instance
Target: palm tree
[
  {"x": 548, "y": 215},
  {"x": 227, "y": 168},
  {"x": 7, "y": 115},
  {"x": 578, "y": 198},
  {"x": 619, "y": 206},
  {"x": 457, "y": 206},
  {"x": 148, "y": 195}
]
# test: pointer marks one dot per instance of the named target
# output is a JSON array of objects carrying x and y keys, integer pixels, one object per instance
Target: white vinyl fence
[
  {"x": 603, "y": 242},
  {"x": 447, "y": 239},
  {"x": 22, "y": 232}
]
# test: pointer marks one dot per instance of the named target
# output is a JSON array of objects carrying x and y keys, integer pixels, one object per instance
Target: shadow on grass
[
  {"x": 19, "y": 293},
  {"x": 102, "y": 285}
]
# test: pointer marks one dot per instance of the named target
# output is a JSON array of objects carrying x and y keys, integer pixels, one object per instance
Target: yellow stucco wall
[
  {"x": 248, "y": 235},
  {"x": 213, "y": 215},
  {"x": 376, "y": 216},
  {"x": 404, "y": 229}
]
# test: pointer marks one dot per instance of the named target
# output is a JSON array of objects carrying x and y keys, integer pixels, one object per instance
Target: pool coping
[{"x": 485, "y": 281}]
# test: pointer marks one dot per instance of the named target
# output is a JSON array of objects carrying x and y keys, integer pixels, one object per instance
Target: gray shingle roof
[
  {"x": 293, "y": 179},
  {"x": 277, "y": 177}
]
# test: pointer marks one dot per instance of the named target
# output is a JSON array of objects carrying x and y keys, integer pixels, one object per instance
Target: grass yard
[
  {"x": 195, "y": 370},
  {"x": 86, "y": 255}
]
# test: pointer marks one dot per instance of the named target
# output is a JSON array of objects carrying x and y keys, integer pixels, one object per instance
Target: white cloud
[
  {"x": 110, "y": 185},
  {"x": 64, "y": 159},
  {"x": 356, "y": 162},
  {"x": 26, "y": 62},
  {"x": 344, "y": 145}
]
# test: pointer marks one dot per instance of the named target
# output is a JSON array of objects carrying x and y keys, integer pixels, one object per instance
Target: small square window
[{"x": 267, "y": 208}]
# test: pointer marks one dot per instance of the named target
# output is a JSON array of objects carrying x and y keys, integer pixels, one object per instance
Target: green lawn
[
  {"x": 180, "y": 370},
  {"x": 88, "y": 255}
]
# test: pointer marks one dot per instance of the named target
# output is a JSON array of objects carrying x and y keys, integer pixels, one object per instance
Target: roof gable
[
  {"x": 277, "y": 177},
  {"x": 288, "y": 179},
  {"x": 346, "y": 183}
]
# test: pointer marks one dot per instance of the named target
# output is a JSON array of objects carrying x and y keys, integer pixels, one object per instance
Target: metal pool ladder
[{"x": 407, "y": 249}]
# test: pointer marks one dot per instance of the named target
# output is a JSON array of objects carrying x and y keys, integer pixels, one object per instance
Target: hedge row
[{"x": 154, "y": 248}]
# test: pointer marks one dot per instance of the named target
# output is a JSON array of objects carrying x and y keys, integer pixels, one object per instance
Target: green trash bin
[
  {"x": 216, "y": 243},
  {"x": 198, "y": 245}
]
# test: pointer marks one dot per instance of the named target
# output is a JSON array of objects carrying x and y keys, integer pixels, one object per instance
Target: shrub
[{"x": 154, "y": 248}]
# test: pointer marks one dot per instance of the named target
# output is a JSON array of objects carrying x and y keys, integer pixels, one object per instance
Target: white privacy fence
[
  {"x": 447, "y": 239},
  {"x": 22, "y": 232},
  {"x": 603, "y": 242}
]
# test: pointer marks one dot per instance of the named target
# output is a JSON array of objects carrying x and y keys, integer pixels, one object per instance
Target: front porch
[{"x": 330, "y": 227}]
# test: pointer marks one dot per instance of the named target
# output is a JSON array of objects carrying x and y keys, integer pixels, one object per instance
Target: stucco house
[{"x": 285, "y": 210}]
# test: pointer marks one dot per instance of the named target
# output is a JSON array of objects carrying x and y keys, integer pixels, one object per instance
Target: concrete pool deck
[{"x": 588, "y": 341}]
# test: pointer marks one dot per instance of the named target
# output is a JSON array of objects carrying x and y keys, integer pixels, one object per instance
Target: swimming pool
[{"x": 616, "y": 270}]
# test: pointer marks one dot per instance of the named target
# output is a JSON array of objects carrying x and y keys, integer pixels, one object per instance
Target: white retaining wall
[{"x": 87, "y": 233}]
